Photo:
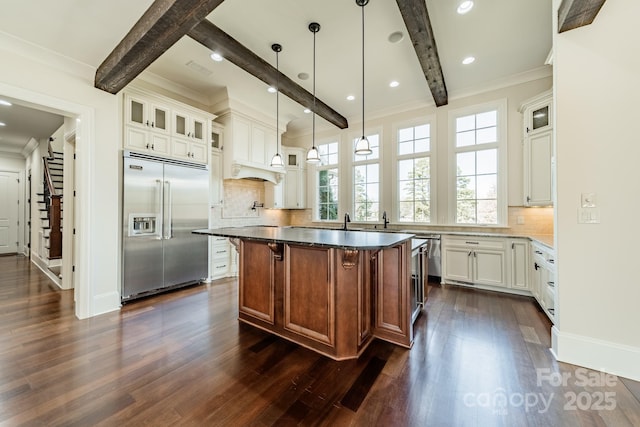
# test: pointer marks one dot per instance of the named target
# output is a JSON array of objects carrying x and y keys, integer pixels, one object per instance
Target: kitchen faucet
[
  {"x": 384, "y": 219},
  {"x": 346, "y": 220}
]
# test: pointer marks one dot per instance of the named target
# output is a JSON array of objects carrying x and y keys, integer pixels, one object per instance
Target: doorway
[{"x": 9, "y": 212}]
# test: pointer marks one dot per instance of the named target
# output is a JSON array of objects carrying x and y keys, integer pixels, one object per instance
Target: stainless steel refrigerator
[{"x": 163, "y": 201}]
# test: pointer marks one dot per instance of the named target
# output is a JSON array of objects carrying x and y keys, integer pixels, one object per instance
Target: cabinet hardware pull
[
  {"x": 551, "y": 261},
  {"x": 538, "y": 252},
  {"x": 472, "y": 243},
  {"x": 470, "y": 252},
  {"x": 147, "y": 122},
  {"x": 552, "y": 284},
  {"x": 153, "y": 124},
  {"x": 536, "y": 266},
  {"x": 528, "y": 199},
  {"x": 153, "y": 147},
  {"x": 221, "y": 252},
  {"x": 475, "y": 255},
  {"x": 513, "y": 246},
  {"x": 147, "y": 146}
]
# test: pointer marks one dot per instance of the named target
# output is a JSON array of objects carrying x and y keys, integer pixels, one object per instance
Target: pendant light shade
[
  {"x": 312, "y": 155},
  {"x": 363, "y": 148},
  {"x": 276, "y": 160}
]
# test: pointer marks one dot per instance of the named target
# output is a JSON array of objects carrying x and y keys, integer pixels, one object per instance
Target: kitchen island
[{"x": 332, "y": 291}]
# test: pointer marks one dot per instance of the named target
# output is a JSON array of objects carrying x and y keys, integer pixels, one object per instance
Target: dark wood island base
[{"x": 331, "y": 299}]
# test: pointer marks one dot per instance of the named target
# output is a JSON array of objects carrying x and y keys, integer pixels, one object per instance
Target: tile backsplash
[{"x": 239, "y": 195}]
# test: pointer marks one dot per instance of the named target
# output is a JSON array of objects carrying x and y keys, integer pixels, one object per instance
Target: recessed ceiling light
[
  {"x": 216, "y": 57},
  {"x": 307, "y": 111},
  {"x": 465, "y": 7},
  {"x": 303, "y": 76},
  {"x": 395, "y": 37},
  {"x": 468, "y": 60},
  {"x": 3, "y": 102},
  {"x": 350, "y": 98},
  {"x": 271, "y": 89},
  {"x": 2, "y": 124},
  {"x": 394, "y": 84}
]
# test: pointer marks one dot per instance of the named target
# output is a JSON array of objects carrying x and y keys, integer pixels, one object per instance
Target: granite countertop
[{"x": 362, "y": 240}]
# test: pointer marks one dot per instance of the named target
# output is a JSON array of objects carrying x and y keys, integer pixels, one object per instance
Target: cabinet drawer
[
  {"x": 220, "y": 252},
  {"x": 220, "y": 267},
  {"x": 470, "y": 241}
]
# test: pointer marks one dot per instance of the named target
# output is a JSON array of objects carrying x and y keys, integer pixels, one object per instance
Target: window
[
  {"x": 366, "y": 180},
  {"x": 414, "y": 173},
  {"x": 478, "y": 165},
  {"x": 327, "y": 175}
]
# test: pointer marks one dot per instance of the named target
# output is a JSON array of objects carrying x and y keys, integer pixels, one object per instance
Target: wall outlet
[{"x": 589, "y": 200}]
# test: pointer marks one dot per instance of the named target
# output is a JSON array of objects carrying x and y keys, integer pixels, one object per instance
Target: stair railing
[{"x": 53, "y": 214}]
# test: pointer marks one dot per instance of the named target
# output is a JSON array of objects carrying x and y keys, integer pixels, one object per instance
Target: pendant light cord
[
  {"x": 313, "y": 133},
  {"x": 363, "y": 70},
  {"x": 277, "y": 103}
]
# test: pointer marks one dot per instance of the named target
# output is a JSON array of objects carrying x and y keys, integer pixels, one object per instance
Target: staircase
[{"x": 50, "y": 206}]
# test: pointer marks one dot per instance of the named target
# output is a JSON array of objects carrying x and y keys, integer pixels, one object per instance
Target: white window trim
[
  {"x": 417, "y": 121},
  {"x": 352, "y": 162},
  {"x": 312, "y": 177},
  {"x": 501, "y": 106}
]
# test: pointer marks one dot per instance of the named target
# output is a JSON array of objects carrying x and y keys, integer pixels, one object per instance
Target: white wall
[
  {"x": 514, "y": 95},
  {"x": 66, "y": 87},
  {"x": 597, "y": 87}
]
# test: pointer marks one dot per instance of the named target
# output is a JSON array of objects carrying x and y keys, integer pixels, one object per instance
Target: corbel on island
[{"x": 332, "y": 291}]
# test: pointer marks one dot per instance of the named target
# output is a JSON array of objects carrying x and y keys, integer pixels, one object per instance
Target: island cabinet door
[
  {"x": 390, "y": 274},
  {"x": 309, "y": 293},
  {"x": 256, "y": 281}
]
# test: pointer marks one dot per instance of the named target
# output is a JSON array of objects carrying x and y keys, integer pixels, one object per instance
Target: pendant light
[
  {"x": 276, "y": 160},
  {"x": 363, "y": 148},
  {"x": 312, "y": 155}
]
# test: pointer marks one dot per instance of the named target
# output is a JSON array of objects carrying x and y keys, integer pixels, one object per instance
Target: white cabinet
[
  {"x": 220, "y": 254},
  {"x": 216, "y": 186},
  {"x": 250, "y": 145},
  {"x": 158, "y": 125},
  {"x": 274, "y": 195},
  {"x": 295, "y": 181},
  {"x": 538, "y": 150},
  {"x": 543, "y": 273},
  {"x": 519, "y": 264},
  {"x": 471, "y": 260},
  {"x": 146, "y": 125}
]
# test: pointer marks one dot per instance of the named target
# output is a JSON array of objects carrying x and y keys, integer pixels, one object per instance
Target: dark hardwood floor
[{"x": 479, "y": 359}]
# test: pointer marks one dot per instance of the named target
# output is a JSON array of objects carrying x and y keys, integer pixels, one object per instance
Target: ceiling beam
[
  {"x": 163, "y": 24},
  {"x": 577, "y": 13},
  {"x": 218, "y": 41},
  {"x": 416, "y": 19}
]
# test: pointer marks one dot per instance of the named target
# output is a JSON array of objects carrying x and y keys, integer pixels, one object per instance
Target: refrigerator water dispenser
[{"x": 142, "y": 225}]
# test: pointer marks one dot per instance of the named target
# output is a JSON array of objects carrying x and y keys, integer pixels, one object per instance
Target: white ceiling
[{"x": 509, "y": 38}]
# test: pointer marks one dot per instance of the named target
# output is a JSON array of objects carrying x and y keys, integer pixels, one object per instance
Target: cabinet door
[
  {"x": 136, "y": 139},
  {"x": 520, "y": 265},
  {"x": 216, "y": 186},
  {"x": 135, "y": 111},
  {"x": 180, "y": 148},
  {"x": 274, "y": 195},
  {"x": 538, "y": 153},
  {"x": 159, "y": 119},
  {"x": 180, "y": 124},
  {"x": 291, "y": 185},
  {"x": 457, "y": 264},
  {"x": 197, "y": 131},
  {"x": 159, "y": 143},
  {"x": 199, "y": 152},
  {"x": 489, "y": 267},
  {"x": 241, "y": 140}
]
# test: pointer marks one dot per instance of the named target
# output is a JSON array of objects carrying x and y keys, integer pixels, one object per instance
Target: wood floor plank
[{"x": 183, "y": 359}]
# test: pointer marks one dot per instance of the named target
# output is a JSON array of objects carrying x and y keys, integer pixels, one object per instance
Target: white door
[{"x": 9, "y": 209}]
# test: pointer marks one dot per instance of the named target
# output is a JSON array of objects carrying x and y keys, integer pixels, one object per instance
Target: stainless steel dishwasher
[{"x": 435, "y": 264}]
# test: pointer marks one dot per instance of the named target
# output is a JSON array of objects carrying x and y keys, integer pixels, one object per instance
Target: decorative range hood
[{"x": 246, "y": 170}]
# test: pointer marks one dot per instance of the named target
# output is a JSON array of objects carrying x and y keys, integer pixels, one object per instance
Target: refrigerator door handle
[
  {"x": 160, "y": 225},
  {"x": 169, "y": 231}
]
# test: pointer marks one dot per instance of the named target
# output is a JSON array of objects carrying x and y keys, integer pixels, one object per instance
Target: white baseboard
[
  {"x": 42, "y": 265},
  {"x": 600, "y": 355},
  {"x": 106, "y": 303}
]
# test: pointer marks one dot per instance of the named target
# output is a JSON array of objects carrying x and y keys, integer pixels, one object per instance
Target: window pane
[
  {"x": 332, "y": 159},
  {"x": 406, "y": 191},
  {"x": 405, "y": 134},
  {"x": 405, "y": 169},
  {"x": 405, "y": 212},
  {"x": 486, "y": 135},
  {"x": 423, "y": 131},
  {"x": 466, "y": 187},
  {"x": 465, "y": 123},
  {"x": 372, "y": 192},
  {"x": 487, "y": 211},
  {"x": 421, "y": 168},
  {"x": 466, "y": 164},
  {"x": 466, "y": 212},
  {"x": 487, "y": 161},
  {"x": 487, "y": 186},
  {"x": 360, "y": 174},
  {"x": 422, "y": 211},
  {"x": 372, "y": 173},
  {"x": 422, "y": 145},
  {"x": 490, "y": 118},
  {"x": 464, "y": 139},
  {"x": 405, "y": 148}
]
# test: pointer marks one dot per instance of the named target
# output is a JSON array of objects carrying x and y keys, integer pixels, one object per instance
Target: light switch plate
[
  {"x": 588, "y": 216},
  {"x": 589, "y": 200}
]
